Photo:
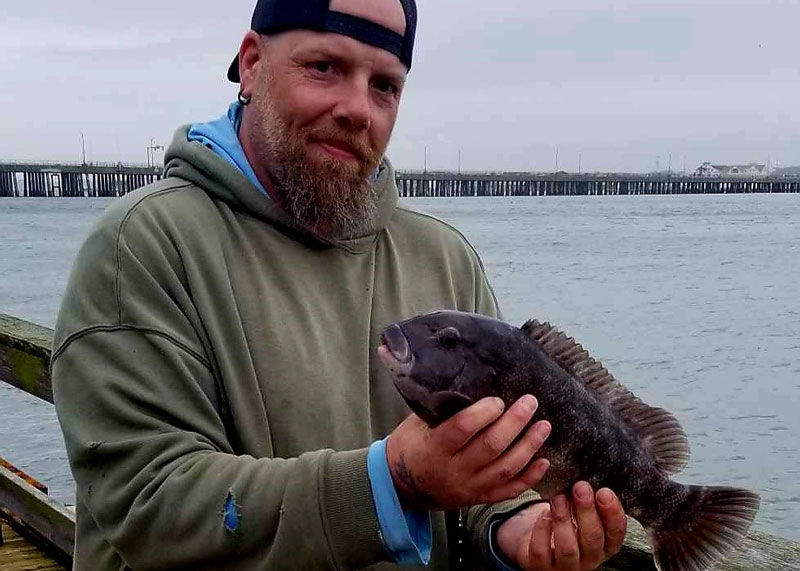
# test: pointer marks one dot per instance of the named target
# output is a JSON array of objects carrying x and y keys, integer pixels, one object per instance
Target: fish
[{"x": 442, "y": 362}]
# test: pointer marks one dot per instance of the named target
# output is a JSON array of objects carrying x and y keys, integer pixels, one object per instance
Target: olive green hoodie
[{"x": 216, "y": 375}]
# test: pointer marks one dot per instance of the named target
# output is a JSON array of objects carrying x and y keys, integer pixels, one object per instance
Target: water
[{"x": 692, "y": 301}]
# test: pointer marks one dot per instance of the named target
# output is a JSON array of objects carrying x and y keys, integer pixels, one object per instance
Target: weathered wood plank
[
  {"x": 759, "y": 552},
  {"x": 27, "y": 477},
  {"x": 17, "y": 554},
  {"x": 25, "y": 356},
  {"x": 38, "y": 512}
]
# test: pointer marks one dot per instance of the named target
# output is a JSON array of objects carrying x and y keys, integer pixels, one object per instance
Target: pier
[
  {"x": 25, "y": 350},
  {"x": 113, "y": 180},
  {"x": 51, "y": 180},
  {"x": 445, "y": 184}
]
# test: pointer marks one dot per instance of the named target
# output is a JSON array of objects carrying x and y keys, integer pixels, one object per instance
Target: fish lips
[
  {"x": 432, "y": 407},
  {"x": 394, "y": 340}
]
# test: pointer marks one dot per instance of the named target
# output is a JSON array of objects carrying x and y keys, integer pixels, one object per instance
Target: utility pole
[
  {"x": 151, "y": 153},
  {"x": 83, "y": 148},
  {"x": 556, "y": 159},
  {"x": 580, "y": 158},
  {"x": 459, "y": 160},
  {"x": 669, "y": 170},
  {"x": 426, "y": 159}
]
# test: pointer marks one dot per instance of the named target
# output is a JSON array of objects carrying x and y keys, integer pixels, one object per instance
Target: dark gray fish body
[{"x": 445, "y": 361}]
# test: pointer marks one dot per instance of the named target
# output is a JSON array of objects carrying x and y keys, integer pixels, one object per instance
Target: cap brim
[{"x": 233, "y": 70}]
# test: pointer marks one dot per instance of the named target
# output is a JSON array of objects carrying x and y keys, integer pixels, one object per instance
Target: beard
[{"x": 330, "y": 197}]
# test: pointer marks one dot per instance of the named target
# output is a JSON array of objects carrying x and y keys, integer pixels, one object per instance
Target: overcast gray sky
[{"x": 624, "y": 84}]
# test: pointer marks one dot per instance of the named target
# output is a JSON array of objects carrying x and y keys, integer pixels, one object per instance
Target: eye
[
  {"x": 385, "y": 86},
  {"x": 322, "y": 66},
  {"x": 449, "y": 337}
]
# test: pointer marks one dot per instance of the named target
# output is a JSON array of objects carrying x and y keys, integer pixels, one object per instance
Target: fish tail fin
[{"x": 707, "y": 527}]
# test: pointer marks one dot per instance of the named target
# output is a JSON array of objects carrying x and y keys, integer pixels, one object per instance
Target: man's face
[{"x": 323, "y": 109}]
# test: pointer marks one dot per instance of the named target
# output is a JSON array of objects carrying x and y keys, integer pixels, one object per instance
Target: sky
[{"x": 506, "y": 85}]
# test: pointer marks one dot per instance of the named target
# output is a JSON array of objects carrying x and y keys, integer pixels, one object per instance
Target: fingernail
[
  {"x": 498, "y": 403},
  {"x": 529, "y": 402},
  {"x": 543, "y": 430},
  {"x": 582, "y": 491},
  {"x": 605, "y": 497}
]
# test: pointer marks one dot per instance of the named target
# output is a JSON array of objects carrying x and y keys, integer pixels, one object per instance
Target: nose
[{"x": 353, "y": 110}]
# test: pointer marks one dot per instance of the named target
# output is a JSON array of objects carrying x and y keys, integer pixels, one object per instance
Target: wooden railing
[{"x": 25, "y": 364}]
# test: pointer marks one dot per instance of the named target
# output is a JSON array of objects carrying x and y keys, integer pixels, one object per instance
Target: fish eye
[{"x": 449, "y": 337}]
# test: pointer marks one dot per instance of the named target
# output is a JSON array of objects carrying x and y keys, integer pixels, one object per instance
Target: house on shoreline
[{"x": 752, "y": 170}]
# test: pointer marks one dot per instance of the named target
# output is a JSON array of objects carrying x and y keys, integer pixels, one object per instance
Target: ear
[{"x": 249, "y": 59}]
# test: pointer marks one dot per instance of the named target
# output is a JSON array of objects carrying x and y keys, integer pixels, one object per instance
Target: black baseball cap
[{"x": 275, "y": 16}]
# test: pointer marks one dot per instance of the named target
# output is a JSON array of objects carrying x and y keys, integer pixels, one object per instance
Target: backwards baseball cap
[{"x": 275, "y": 16}]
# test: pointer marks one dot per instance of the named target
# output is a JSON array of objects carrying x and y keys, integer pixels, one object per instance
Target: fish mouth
[{"x": 394, "y": 341}]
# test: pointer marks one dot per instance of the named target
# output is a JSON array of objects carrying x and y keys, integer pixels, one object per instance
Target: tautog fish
[{"x": 445, "y": 361}]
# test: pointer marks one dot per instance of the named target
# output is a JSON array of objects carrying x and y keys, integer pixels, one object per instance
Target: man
[{"x": 215, "y": 362}]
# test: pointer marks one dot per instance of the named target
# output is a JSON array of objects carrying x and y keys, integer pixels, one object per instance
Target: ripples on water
[{"x": 692, "y": 301}]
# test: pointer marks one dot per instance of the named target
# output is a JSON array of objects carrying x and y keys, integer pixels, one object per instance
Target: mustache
[{"x": 356, "y": 144}]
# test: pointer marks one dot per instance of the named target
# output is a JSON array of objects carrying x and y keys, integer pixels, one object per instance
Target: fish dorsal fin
[{"x": 658, "y": 431}]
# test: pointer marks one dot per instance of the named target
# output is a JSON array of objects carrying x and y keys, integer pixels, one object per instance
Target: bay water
[{"x": 693, "y": 302}]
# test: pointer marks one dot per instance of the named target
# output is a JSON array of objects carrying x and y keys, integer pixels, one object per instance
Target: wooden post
[{"x": 25, "y": 356}]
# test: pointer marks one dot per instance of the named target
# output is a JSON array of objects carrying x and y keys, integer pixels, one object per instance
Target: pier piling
[{"x": 73, "y": 180}]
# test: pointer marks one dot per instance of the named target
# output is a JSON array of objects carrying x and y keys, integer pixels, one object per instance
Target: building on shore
[{"x": 708, "y": 170}]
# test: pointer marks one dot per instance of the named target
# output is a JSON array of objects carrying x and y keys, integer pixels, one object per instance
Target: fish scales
[{"x": 602, "y": 433}]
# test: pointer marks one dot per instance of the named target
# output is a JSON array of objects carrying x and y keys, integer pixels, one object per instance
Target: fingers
[
  {"x": 591, "y": 532},
  {"x": 614, "y": 520},
  {"x": 557, "y": 543},
  {"x": 514, "y": 534},
  {"x": 518, "y": 456},
  {"x": 566, "y": 550},
  {"x": 527, "y": 480},
  {"x": 456, "y": 432},
  {"x": 540, "y": 548},
  {"x": 495, "y": 440},
  {"x": 480, "y": 455}
]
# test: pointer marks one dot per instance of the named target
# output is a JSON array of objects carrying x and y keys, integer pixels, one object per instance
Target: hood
[{"x": 191, "y": 161}]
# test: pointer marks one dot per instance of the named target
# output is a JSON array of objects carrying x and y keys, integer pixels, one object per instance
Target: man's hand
[
  {"x": 545, "y": 537},
  {"x": 480, "y": 455}
]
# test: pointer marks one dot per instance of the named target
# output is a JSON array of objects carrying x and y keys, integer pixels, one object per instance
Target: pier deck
[{"x": 18, "y": 554}]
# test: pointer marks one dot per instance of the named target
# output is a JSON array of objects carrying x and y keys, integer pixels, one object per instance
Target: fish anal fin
[{"x": 659, "y": 433}]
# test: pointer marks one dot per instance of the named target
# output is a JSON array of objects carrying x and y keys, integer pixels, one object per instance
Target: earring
[{"x": 244, "y": 99}]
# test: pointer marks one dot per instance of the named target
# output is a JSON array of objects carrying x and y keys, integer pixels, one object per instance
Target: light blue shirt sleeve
[{"x": 406, "y": 534}]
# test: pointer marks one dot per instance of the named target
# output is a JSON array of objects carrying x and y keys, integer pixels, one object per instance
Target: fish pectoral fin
[
  {"x": 449, "y": 403},
  {"x": 660, "y": 433},
  {"x": 432, "y": 407}
]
